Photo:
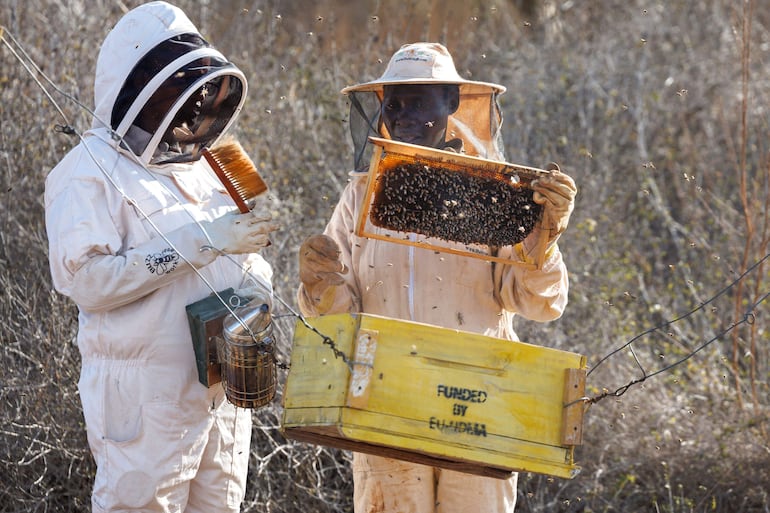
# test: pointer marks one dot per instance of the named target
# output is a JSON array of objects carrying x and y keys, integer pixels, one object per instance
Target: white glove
[{"x": 236, "y": 233}]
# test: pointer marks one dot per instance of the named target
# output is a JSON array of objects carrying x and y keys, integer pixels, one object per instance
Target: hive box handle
[
  {"x": 363, "y": 366},
  {"x": 574, "y": 391}
]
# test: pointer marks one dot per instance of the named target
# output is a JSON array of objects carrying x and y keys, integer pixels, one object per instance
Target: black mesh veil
[
  {"x": 149, "y": 66},
  {"x": 364, "y": 121},
  {"x": 476, "y": 122},
  {"x": 177, "y": 100}
]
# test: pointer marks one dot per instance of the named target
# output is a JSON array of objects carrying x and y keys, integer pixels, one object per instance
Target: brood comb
[
  {"x": 236, "y": 171},
  {"x": 447, "y": 201},
  {"x": 438, "y": 201}
]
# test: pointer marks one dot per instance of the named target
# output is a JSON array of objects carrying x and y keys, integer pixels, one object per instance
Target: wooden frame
[{"x": 388, "y": 154}]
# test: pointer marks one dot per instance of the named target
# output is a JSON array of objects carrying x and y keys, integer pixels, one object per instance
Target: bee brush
[{"x": 236, "y": 171}]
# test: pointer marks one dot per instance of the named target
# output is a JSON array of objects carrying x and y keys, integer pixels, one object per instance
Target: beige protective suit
[
  {"x": 418, "y": 284},
  {"x": 405, "y": 282}
]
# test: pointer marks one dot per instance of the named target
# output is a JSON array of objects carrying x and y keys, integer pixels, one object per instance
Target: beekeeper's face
[{"x": 417, "y": 113}]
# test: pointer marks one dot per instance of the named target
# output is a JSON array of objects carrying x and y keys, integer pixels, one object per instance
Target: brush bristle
[{"x": 237, "y": 172}]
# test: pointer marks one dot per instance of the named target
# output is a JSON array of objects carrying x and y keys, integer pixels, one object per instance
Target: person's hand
[
  {"x": 235, "y": 233},
  {"x": 556, "y": 193},
  {"x": 320, "y": 266}
]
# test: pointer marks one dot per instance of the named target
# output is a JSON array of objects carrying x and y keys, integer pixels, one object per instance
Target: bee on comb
[
  {"x": 453, "y": 205},
  {"x": 236, "y": 171},
  {"x": 450, "y": 202}
]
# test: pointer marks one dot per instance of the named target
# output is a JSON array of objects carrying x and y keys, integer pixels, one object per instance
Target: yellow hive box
[{"x": 435, "y": 396}]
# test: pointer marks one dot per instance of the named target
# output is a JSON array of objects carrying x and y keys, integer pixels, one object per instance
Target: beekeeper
[
  {"x": 422, "y": 100},
  {"x": 132, "y": 213}
]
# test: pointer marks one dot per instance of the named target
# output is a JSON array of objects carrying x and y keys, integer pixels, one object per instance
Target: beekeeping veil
[
  {"x": 164, "y": 90},
  {"x": 476, "y": 122}
]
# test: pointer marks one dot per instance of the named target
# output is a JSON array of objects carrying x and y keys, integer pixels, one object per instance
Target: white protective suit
[
  {"x": 407, "y": 282},
  {"x": 124, "y": 245}
]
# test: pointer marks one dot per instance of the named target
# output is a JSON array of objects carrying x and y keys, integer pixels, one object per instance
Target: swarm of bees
[{"x": 453, "y": 206}]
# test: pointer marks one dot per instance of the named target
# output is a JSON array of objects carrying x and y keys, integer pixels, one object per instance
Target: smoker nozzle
[{"x": 255, "y": 315}]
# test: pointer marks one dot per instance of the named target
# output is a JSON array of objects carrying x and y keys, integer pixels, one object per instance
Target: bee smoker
[{"x": 246, "y": 352}]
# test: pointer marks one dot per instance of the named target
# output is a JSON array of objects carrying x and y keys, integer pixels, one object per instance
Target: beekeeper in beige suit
[
  {"x": 138, "y": 228},
  {"x": 421, "y": 99}
]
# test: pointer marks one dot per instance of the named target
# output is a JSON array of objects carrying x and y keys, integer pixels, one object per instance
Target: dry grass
[{"x": 642, "y": 105}]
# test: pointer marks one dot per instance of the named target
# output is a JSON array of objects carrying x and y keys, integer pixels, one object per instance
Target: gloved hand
[
  {"x": 235, "y": 233},
  {"x": 556, "y": 192},
  {"x": 320, "y": 266}
]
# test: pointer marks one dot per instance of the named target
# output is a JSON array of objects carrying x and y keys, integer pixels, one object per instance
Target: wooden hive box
[{"x": 435, "y": 396}]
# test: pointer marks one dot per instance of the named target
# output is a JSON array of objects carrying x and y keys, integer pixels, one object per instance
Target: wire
[
  {"x": 326, "y": 339},
  {"x": 748, "y": 318}
]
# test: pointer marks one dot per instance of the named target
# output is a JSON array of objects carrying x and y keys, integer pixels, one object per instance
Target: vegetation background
[{"x": 658, "y": 109}]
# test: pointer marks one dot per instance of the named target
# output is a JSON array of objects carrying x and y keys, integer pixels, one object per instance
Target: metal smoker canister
[{"x": 248, "y": 358}]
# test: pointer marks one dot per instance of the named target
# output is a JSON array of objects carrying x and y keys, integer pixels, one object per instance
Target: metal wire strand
[{"x": 748, "y": 318}]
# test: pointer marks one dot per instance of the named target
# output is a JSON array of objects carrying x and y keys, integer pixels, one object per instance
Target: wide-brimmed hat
[{"x": 423, "y": 63}]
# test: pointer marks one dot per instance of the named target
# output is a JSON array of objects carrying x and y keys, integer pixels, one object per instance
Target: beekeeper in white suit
[
  {"x": 131, "y": 213},
  {"x": 421, "y": 99}
]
